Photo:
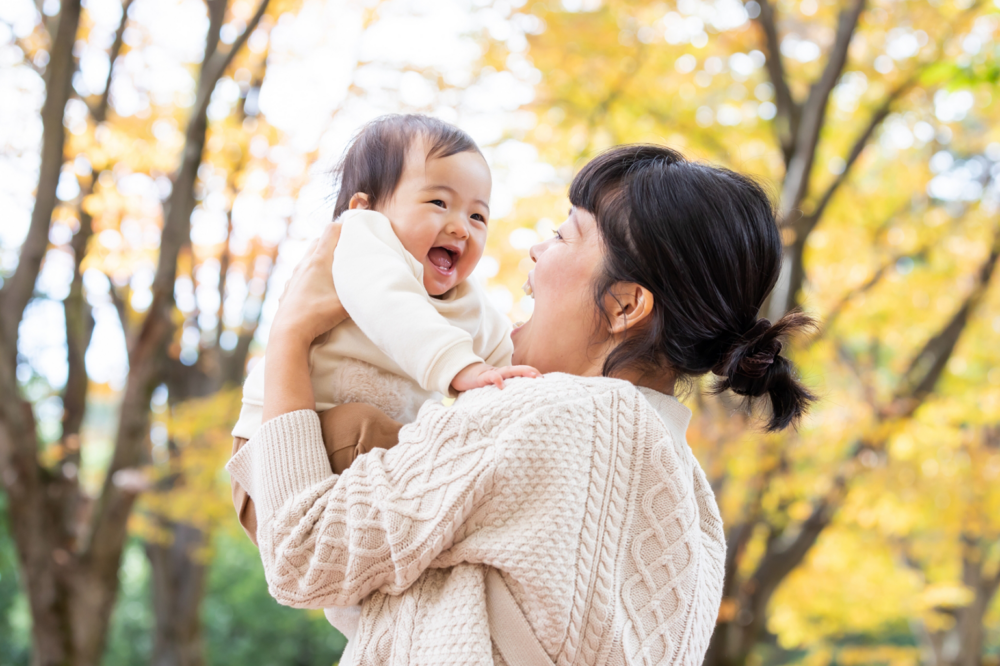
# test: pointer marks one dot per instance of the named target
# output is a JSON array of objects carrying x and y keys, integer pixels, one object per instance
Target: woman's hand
[
  {"x": 309, "y": 305},
  {"x": 308, "y": 308}
]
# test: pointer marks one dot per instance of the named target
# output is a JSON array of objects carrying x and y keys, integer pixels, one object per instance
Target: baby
[{"x": 414, "y": 207}]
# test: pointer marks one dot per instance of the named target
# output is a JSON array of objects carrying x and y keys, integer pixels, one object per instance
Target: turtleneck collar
[{"x": 675, "y": 415}]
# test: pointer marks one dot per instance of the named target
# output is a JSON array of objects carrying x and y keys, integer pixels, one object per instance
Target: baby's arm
[
  {"x": 494, "y": 333},
  {"x": 479, "y": 375},
  {"x": 377, "y": 282}
]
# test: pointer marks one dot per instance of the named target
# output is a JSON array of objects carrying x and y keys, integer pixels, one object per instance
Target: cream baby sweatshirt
[
  {"x": 401, "y": 346},
  {"x": 582, "y": 492}
]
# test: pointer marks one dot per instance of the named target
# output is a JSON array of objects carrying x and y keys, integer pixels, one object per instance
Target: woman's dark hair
[
  {"x": 374, "y": 161},
  {"x": 704, "y": 241}
]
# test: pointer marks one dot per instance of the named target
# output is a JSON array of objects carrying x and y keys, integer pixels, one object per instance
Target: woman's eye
[
  {"x": 437, "y": 202},
  {"x": 557, "y": 234}
]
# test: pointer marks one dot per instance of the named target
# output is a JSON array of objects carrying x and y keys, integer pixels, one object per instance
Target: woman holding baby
[{"x": 568, "y": 490}]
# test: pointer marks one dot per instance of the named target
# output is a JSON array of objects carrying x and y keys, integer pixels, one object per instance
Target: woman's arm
[
  {"x": 333, "y": 540},
  {"x": 308, "y": 308}
]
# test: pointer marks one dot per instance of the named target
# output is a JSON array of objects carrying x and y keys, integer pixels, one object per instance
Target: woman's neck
[{"x": 661, "y": 379}]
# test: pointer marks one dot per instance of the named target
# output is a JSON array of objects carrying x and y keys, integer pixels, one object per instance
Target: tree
[
  {"x": 851, "y": 113},
  {"x": 69, "y": 544},
  {"x": 176, "y": 547}
]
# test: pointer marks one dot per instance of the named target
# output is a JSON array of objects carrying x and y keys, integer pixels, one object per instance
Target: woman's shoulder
[
  {"x": 549, "y": 389},
  {"x": 523, "y": 399}
]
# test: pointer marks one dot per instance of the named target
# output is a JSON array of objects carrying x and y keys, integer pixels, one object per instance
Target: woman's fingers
[
  {"x": 299, "y": 267},
  {"x": 327, "y": 242},
  {"x": 322, "y": 248},
  {"x": 309, "y": 304}
]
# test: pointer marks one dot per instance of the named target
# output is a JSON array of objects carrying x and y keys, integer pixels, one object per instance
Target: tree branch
[
  {"x": 79, "y": 329},
  {"x": 864, "y": 288},
  {"x": 235, "y": 362},
  {"x": 929, "y": 363},
  {"x": 20, "y": 286},
  {"x": 79, "y": 318},
  {"x": 99, "y": 111},
  {"x": 224, "y": 262},
  {"x": 216, "y": 18},
  {"x": 810, "y": 221},
  {"x": 600, "y": 112},
  {"x": 788, "y": 108},
  {"x": 18, "y": 462},
  {"x": 779, "y": 560},
  {"x": 991, "y": 586},
  {"x": 796, "y": 183},
  {"x": 216, "y": 63}
]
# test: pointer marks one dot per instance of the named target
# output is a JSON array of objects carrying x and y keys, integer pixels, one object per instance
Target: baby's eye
[
  {"x": 480, "y": 218},
  {"x": 437, "y": 202}
]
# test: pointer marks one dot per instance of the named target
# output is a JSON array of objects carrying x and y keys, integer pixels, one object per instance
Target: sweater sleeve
[
  {"x": 328, "y": 540},
  {"x": 380, "y": 285}
]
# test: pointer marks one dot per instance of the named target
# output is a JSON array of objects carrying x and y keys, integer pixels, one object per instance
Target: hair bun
[
  {"x": 753, "y": 367},
  {"x": 750, "y": 357}
]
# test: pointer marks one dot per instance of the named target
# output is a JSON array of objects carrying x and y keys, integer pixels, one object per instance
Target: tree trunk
[
  {"x": 178, "y": 575},
  {"x": 178, "y": 582},
  {"x": 962, "y": 644}
]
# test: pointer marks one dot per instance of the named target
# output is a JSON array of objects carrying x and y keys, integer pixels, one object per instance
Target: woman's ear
[
  {"x": 359, "y": 200},
  {"x": 627, "y": 304}
]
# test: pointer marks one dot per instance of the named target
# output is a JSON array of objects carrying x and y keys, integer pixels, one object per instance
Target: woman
[{"x": 579, "y": 488}]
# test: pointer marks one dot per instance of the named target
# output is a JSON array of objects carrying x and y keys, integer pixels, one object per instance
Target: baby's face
[{"x": 440, "y": 212}]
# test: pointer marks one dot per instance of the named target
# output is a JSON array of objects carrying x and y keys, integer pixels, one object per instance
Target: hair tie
[
  {"x": 760, "y": 353},
  {"x": 759, "y": 328},
  {"x": 752, "y": 357}
]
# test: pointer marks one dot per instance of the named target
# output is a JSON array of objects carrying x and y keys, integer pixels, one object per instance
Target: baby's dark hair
[{"x": 374, "y": 161}]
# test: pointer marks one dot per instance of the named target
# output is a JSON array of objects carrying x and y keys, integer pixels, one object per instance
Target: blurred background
[{"x": 164, "y": 163}]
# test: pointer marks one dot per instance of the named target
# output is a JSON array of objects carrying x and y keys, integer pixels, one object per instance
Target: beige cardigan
[{"x": 581, "y": 491}]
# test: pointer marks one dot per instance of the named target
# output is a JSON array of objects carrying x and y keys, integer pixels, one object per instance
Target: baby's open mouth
[{"x": 443, "y": 258}]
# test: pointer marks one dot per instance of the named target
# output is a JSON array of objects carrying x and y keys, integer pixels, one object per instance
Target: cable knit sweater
[{"x": 581, "y": 491}]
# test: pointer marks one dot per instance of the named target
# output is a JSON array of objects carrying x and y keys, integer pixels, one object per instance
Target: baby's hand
[{"x": 479, "y": 375}]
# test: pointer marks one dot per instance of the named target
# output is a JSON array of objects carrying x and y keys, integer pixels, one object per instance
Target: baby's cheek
[
  {"x": 432, "y": 287},
  {"x": 414, "y": 244},
  {"x": 416, "y": 235}
]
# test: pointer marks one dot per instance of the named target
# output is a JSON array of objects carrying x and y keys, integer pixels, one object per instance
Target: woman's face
[{"x": 560, "y": 335}]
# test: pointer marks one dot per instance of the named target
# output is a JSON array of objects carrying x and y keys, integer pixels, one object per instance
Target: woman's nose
[{"x": 535, "y": 250}]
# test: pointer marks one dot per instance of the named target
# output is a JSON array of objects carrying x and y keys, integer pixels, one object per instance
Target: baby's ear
[{"x": 359, "y": 200}]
